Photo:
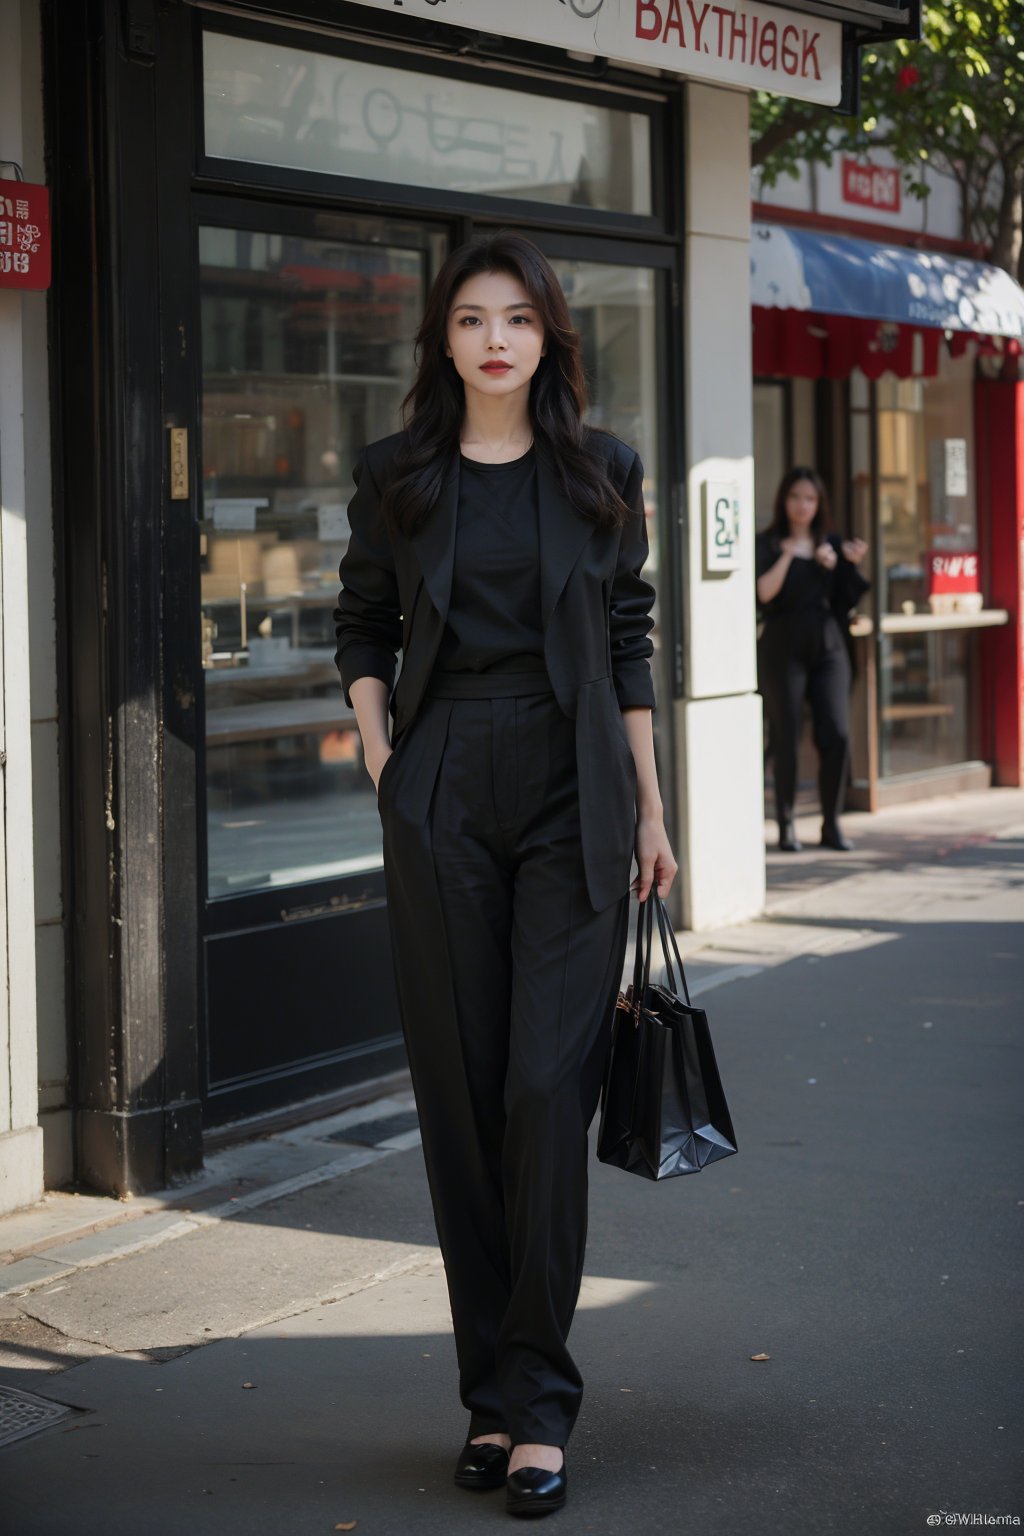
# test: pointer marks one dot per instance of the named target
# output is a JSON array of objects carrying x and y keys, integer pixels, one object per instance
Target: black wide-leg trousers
[
  {"x": 809, "y": 660},
  {"x": 507, "y": 981}
]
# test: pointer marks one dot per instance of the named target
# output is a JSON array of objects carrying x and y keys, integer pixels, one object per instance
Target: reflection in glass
[
  {"x": 926, "y": 700},
  {"x": 770, "y": 446},
  {"x": 349, "y": 117},
  {"x": 925, "y": 478},
  {"x": 307, "y": 352},
  {"x": 615, "y": 309},
  {"x": 926, "y": 506}
]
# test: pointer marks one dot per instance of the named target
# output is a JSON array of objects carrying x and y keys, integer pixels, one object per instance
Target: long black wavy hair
[
  {"x": 822, "y": 521},
  {"x": 433, "y": 410}
]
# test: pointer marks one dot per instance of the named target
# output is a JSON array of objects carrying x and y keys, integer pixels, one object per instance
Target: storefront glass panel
[
  {"x": 925, "y": 479},
  {"x": 307, "y": 352},
  {"x": 615, "y": 310},
  {"x": 771, "y": 446},
  {"x": 926, "y": 507},
  {"x": 925, "y": 694},
  {"x": 272, "y": 105}
]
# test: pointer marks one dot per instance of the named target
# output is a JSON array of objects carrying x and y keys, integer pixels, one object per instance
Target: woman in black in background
[{"x": 807, "y": 582}]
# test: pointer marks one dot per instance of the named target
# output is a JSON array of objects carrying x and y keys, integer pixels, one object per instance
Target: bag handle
[
  {"x": 634, "y": 991},
  {"x": 643, "y": 948},
  {"x": 642, "y": 956},
  {"x": 668, "y": 936}
]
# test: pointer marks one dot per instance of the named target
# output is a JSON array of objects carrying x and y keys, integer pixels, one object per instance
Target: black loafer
[
  {"x": 481, "y": 1466},
  {"x": 535, "y": 1490}
]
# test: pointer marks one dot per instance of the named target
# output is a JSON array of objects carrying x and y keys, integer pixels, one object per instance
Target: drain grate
[
  {"x": 370, "y": 1133},
  {"x": 21, "y": 1413}
]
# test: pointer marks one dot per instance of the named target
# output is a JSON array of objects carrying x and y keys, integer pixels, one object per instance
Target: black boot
[
  {"x": 788, "y": 840},
  {"x": 832, "y": 836}
]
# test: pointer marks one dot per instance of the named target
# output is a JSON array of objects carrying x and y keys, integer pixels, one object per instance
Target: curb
[{"x": 53, "y": 1259}]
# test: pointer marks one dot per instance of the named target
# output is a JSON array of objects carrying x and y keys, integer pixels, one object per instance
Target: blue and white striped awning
[{"x": 830, "y": 274}]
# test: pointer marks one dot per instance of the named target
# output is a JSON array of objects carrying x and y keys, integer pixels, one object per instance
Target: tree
[{"x": 953, "y": 101}]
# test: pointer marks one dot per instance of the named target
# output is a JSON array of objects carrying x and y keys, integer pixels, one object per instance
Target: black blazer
[{"x": 595, "y": 609}]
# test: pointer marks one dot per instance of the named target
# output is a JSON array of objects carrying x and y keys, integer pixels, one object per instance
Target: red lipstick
[{"x": 496, "y": 367}]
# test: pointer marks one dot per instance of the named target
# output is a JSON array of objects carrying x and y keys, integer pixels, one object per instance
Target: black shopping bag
[{"x": 663, "y": 1109}]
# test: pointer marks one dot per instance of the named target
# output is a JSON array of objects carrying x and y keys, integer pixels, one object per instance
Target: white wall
[
  {"x": 21, "y": 1150},
  {"x": 819, "y": 189},
  {"x": 33, "y": 1047},
  {"x": 55, "y": 1116},
  {"x": 719, "y": 721}
]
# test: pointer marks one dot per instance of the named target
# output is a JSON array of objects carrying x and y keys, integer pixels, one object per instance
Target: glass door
[
  {"x": 307, "y": 330},
  {"x": 926, "y": 515}
]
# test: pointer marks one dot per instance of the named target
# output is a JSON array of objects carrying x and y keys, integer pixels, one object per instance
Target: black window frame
[{"x": 216, "y": 171}]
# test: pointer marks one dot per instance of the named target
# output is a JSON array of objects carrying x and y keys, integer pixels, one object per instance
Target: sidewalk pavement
[{"x": 269, "y": 1349}]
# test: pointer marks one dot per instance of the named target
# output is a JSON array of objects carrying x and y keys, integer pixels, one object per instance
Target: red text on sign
[
  {"x": 730, "y": 32},
  {"x": 872, "y": 186}
]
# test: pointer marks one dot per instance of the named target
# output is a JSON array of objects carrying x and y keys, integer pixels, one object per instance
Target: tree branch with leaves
[{"x": 954, "y": 101}]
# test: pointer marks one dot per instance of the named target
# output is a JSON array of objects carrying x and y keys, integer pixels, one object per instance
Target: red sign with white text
[
  {"x": 871, "y": 186},
  {"x": 948, "y": 572},
  {"x": 24, "y": 235}
]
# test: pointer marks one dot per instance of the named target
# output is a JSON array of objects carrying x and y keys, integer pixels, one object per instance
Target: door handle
[{"x": 178, "y": 437}]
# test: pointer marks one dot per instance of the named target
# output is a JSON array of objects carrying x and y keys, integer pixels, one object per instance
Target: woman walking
[
  {"x": 499, "y": 543},
  {"x": 807, "y": 582}
]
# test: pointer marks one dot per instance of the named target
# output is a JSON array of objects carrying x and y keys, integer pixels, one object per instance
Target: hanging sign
[
  {"x": 24, "y": 235},
  {"x": 742, "y": 42},
  {"x": 955, "y": 453}
]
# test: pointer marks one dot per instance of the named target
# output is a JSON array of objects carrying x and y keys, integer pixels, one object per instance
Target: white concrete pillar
[
  {"x": 719, "y": 726},
  {"x": 21, "y": 1139}
]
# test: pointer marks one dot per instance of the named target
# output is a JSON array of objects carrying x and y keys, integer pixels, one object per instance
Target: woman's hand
[
  {"x": 375, "y": 765},
  {"x": 654, "y": 857},
  {"x": 825, "y": 555},
  {"x": 854, "y": 550},
  {"x": 770, "y": 583},
  {"x": 370, "y": 701}
]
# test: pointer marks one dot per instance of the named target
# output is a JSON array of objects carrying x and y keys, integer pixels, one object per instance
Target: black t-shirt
[
  {"x": 493, "y": 619},
  {"x": 809, "y": 591}
]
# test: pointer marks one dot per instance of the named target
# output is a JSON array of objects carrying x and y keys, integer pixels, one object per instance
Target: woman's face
[
  {"x": 801, "y": 505},
  {"x": 495, "y": 337}
]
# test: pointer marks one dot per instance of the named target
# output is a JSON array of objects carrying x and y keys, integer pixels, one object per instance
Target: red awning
[
  {"x": 824, "y": 304},
  {"x": 797, "y": 343}
]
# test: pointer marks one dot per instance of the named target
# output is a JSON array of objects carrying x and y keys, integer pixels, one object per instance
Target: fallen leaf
[
  {"x": 625, "y": 1389},
  {"x": 760, "y": 1357},
  {"x": 248, "y": 1384},
  {"x": 346, "y": 1525}
]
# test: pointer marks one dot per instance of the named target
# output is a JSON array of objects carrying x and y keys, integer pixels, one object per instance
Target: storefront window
[
  {"x": 307, "y": 352},
  {"x": 925, "y": 479},
  {"x": 615, "y": 309},
  {"x": 925, "y": 562},
  {"x": 280, "y": 106},
  {"x": 771, "y": 445},
  {"x": 926, "y": 692}
]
